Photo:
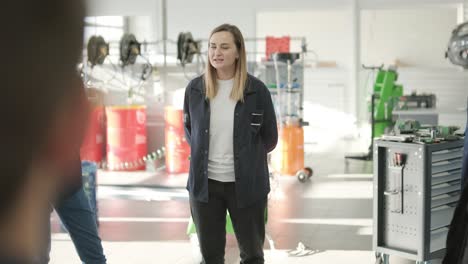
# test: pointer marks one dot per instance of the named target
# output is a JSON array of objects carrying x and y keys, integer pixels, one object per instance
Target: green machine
[{"x": 385, "y": 97}]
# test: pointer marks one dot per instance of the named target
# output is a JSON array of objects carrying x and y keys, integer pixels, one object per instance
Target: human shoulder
[
  {"x": 196, "y": 83},
  {"x": 257, "y": 84}
]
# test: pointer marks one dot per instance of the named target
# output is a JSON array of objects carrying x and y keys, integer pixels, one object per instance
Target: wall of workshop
[
  {"x": 328, "y": 35},
  {"x": 450, "y": 85},
  {"x": 415, "y": 37},
  {"x": 387, "y": 34},
  {"x": 200, "y": 17},
  {"x": 418, "y": 39},
  {"x": 144, "y": 22},
  {"x": 122, "y": 7},
  {"x": 328, "y": 32}
]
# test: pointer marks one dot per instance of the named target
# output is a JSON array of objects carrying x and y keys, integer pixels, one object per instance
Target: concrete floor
[{"x": 331, "y": 215}]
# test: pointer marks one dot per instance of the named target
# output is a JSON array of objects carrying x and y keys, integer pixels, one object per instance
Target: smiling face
[{"x": 223, "y": 54}]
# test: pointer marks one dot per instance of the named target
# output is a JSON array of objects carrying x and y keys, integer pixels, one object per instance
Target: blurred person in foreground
[
  {"x": 42, "y": 113},
  {"x": 457, "y": 238},
  {"x": 77, "y": 216}
]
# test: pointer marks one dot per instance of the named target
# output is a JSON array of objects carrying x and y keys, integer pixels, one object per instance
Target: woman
[{"x": 230, "y": 125}]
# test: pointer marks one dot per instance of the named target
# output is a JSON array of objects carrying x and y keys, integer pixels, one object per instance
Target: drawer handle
[{"x": 392, "y": 192}]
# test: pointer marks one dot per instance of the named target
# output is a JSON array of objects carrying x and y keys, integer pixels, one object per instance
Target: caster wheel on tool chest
[
  {"x": 304, "y": 174},
  {"x": 378, "y": 258},
  {"x": 381, "y": 258}
]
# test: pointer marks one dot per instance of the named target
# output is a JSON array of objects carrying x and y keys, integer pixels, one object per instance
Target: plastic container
[
  {"x": 177, "y": 147},
  {"x": 288, "y": 157}
]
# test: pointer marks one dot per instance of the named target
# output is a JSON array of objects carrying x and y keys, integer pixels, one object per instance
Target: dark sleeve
[
  {"x": 269, "y": 129},
  {"x": 187, "y": 124},
  {"x": 456, "y": 237},
  {"x": 70, "y": 183}
]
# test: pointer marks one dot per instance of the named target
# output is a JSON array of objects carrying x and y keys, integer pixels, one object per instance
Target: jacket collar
[{"x": 249, "y": 89}]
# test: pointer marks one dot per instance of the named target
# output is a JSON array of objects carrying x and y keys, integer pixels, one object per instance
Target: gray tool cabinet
[{"x": 416, "y": 188}]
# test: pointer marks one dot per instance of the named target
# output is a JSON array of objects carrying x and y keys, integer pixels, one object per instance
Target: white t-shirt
[{"x": 221, "y": 152}]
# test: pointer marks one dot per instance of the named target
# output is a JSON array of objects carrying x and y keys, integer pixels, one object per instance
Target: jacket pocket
[{"x": 256, "y": 120}]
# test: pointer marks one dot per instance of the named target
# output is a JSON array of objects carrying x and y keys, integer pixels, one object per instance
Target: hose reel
[
  {"x": 98, "y": 50},
  {"x": 187, "y": 47},
  {"x": 130, "y": 49}
]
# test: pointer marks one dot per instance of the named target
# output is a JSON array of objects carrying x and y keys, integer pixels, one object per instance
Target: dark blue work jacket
[
  {"x": 457, "y": 237},
  {"x": 255, "y": 134},
  {"x": 465, "y": 156}
]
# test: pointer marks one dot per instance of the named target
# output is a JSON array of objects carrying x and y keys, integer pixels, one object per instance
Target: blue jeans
[{"x": 80, "y": 221}]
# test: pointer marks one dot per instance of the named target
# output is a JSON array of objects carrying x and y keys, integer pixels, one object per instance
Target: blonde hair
[{"x": 240, "y": 76}]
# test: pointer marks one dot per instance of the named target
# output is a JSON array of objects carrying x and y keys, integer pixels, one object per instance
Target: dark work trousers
[{"x": 210, "y": 222}]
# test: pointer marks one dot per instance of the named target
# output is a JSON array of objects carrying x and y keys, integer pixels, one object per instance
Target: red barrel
[
  {"x": 126, "y": 137},
  {"x": 92, "y": 148},
  {"x": 177, "y": 147}
]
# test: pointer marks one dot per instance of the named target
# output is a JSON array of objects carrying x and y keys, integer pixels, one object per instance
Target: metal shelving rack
[{"x": 291, "y": 80}]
